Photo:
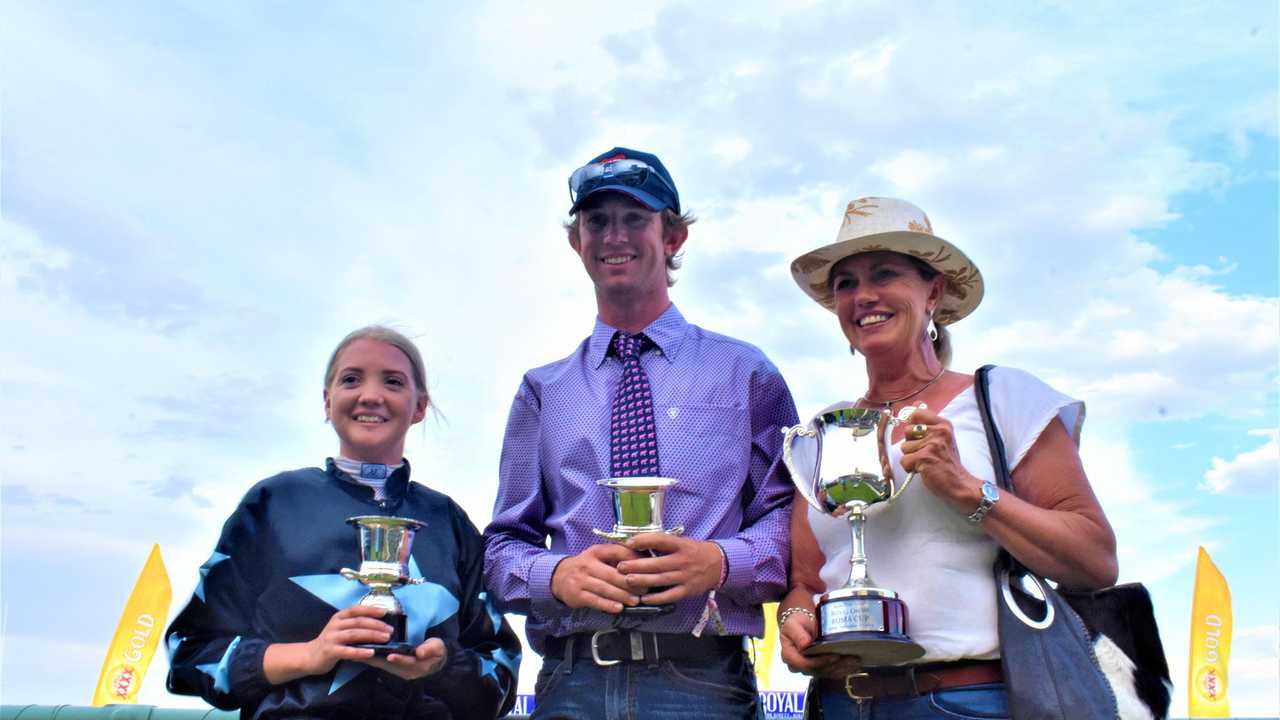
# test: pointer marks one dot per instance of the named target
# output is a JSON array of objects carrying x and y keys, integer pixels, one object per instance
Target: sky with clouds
[{"x": 200, "y": 199}]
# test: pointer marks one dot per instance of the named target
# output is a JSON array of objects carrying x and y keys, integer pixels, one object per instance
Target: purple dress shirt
[{"x": 719, "y": 406}]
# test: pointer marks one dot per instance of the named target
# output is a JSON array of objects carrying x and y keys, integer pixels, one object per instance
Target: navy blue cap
[{"x": 653, "y": 188}]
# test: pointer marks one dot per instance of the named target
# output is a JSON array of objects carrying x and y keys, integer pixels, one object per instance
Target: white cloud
[
  {"x": 731, "y": 149},
  {"x": 867, "y": 64},
  {"x": 1139, "y": 344},
  {"x": 22, "y": 252},
  {"x": 1255, "y": 471},
  {"x": 911, "y": 171},
  {"x": 1130, "y": 497}
]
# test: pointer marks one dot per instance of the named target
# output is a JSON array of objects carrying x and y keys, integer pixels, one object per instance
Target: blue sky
[{"x": 200, "y": 200}]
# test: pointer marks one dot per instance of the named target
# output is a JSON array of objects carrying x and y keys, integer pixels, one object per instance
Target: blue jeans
[
  {"x": 716, "y": 688},
  {"x": 988, "y": 701}
]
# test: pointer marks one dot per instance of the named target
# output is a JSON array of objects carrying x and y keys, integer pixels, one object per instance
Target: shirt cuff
[
  {"x": 541, "y": 601},
  {"x": 247, "y": 678},
  {"x": 741, "y": 567}
]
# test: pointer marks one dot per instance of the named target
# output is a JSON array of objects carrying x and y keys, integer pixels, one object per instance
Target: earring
[
  {"x": 853, "y": 351},
  {"x": 932, "y": 330}
]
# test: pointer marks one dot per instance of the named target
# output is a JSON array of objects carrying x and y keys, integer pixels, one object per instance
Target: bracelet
[
  {"x": 724, "y": 565},
  {"x": 786, "y": 615}
]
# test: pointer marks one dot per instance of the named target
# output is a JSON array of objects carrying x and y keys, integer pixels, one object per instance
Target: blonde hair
[{"x": 381, "y": 333}]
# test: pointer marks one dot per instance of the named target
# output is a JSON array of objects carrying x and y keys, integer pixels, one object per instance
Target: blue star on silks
[
  {"x": 221, "y": 670},
  {"x": 214, "y": 559},
  {"x": 425, "y": 606},
  {"x": 173, "y": 642},
  {"x": 501, "y": 656},
  {"x": 495, "y": 617}
]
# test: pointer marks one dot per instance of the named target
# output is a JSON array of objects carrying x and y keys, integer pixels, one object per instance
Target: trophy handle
[
  {"x": 349, "y": 574},
  {"x": 896, "y": 491},
  {"x": 903, "y": 417},
  {"x": 803, "y": 484},
  {"x": 614, "y": 537}
]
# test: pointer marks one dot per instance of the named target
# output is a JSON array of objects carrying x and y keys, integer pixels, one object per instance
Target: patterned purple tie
[{"x": 633, "y": 441}]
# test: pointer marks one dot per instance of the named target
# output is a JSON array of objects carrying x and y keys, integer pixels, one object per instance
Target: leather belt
[
  {"x": 910, "y": 680},
  {"x": 610, "y": 647}
]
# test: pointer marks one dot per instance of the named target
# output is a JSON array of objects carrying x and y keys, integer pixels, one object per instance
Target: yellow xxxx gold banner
[
  {"x": 1210, "y": 643},
  {"x": 768, "y": 646},
  {"x": 137, "y": 635}
]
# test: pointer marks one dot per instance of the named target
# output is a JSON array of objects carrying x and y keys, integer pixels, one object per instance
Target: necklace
[{"x": 888, "y": 404}]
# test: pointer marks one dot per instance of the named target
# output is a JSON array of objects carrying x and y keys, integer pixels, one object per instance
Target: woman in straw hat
[{"x": 894, "y": 286}]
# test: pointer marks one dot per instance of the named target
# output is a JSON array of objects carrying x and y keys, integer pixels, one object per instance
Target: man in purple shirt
[{"x": 717, "y": 406}]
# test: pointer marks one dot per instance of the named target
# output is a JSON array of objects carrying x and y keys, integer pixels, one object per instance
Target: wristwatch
[{"x": 990, "y": 495}]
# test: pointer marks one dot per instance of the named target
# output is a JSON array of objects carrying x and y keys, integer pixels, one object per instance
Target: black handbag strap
[{"x": 982, "y": 392}]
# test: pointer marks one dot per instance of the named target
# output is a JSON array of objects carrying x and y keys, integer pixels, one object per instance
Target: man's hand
[
  {"x": 427, "y": 659},
  {"x": 591, "y": 579},
  {"x": 684, "y": 567}
]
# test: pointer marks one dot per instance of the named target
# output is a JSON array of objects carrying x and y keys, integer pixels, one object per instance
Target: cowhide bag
[{"x": 1072, "y": 655}]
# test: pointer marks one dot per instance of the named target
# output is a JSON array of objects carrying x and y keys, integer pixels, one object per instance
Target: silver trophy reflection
[
  {"x": 385, "y": 543},
  {"x": 835, "y": 463},
  {"x": 637, "y": 509}
]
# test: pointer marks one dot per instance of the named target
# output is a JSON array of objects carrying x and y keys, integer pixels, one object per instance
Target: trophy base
[
  {"x": 870, "y": 623},
  {"x": 396, "y": 644},
  {"x": 385, "y": 649},
  {"x": 643, "y": 610},
  {"x": 873, "y": 648}
]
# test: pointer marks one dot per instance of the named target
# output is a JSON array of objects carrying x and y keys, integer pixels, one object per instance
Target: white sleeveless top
[{"x": 938, "y": 562}]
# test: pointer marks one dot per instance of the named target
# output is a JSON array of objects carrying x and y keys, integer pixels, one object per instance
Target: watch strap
[{"x": 989, "y": 497}]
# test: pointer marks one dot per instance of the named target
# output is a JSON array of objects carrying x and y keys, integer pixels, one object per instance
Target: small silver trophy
[
  {"x": 841, "y": 475},
  {"x": 637, "y": 509},
  {"x": 385, "y": 543}
]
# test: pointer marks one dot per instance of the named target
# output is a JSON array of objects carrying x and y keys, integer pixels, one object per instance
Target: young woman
[{"x": 273, "y": 628}]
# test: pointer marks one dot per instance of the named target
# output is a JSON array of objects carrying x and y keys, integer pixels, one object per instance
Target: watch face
[{"x": 990, "y": 491}]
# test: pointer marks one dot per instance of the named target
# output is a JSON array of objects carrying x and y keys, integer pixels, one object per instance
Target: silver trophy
[
  {"x": 637, "y": 509},
  {"x": 839, "y": 472},
  {"x": 385, "y": 543}
]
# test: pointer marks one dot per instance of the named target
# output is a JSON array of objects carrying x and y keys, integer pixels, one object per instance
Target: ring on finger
[{"x": 917, "y": 431}]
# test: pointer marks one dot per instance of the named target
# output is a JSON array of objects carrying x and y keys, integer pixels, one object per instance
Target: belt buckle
[
  {"x": 595, "y": 648},
  {"x": 848, "y": 687}
]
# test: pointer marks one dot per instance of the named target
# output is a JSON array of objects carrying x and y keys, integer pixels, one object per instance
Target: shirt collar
[
  {"x": 397, "y": 482},
  {"x": 667, "y": 332}
]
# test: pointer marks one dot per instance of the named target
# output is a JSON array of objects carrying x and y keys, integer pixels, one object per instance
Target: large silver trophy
[
  {"x": 637, "y": 509},
  {"x": 385, "y": 543},
  {"x": 839, "y": 472}
]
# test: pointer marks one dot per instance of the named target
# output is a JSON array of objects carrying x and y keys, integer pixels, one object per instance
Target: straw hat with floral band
[{"x": 874, "y": 224}]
